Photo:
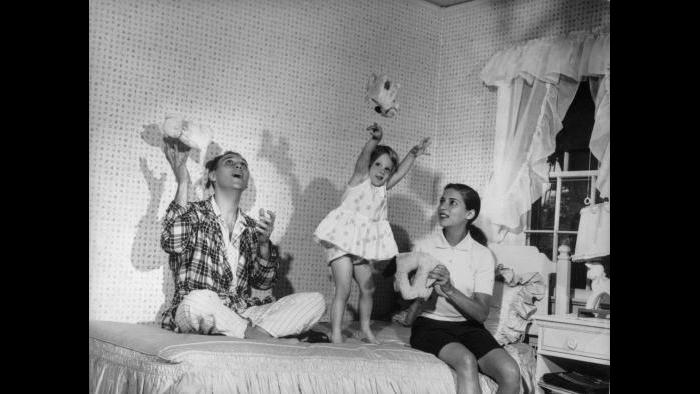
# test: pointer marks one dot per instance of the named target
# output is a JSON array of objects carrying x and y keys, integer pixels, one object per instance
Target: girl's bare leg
[
  {"x": 342, "y": 276},
  {"x": 363, "y": 276}
]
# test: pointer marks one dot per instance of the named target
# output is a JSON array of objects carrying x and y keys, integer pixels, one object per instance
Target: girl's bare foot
[
  {"x": 367, "y": 336},
  {"x": 336, "y": 338}
]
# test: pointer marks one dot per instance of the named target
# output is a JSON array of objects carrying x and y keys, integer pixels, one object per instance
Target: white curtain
[
  {"x": 600, "y": 136},
  {"x": 536, "y": 83}
]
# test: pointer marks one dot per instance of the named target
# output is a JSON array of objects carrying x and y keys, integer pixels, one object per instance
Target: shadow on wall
[
  {"x": 146, "y": 254},
  {"x": 427, "y": 185},
  {"x": 309, "y": 210},
  {"x": 417, "y": 179},
  {"x": 399, "y": 205}
]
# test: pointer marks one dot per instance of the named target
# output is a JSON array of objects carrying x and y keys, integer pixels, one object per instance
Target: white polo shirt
[{"x": 471, "y": 267}]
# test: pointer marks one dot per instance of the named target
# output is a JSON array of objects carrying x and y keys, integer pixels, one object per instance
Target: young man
[{"x": 217, "y": 253}]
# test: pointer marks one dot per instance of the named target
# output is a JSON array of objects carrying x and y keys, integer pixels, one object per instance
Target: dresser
[{"x": 567, "y": 342}]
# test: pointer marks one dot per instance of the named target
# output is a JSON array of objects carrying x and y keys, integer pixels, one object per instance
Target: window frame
[{"x": 559, "y": 175}]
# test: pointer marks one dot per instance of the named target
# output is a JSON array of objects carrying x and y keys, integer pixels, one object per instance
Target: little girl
[{"x": 358, "y": 231}]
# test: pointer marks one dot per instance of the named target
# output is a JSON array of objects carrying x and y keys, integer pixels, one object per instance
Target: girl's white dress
[{"x": 359, "y": 226}]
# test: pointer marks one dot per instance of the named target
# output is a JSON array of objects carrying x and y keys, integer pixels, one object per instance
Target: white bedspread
[{"x": 145, "y": 359}]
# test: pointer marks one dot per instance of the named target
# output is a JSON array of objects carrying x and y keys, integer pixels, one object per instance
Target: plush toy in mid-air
[
  {"x": 196, "y": 136},
  {"x": 381, "y": 92},
  {"x": 420, "y": 262}
]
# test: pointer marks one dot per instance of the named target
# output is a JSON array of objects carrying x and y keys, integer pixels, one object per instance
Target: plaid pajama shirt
[{"x": 193, "y": 239}]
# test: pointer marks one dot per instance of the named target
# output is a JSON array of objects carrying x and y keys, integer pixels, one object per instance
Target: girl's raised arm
[
  {"x": 408, "y": 161},
  {"x": 362, "y": 165}
]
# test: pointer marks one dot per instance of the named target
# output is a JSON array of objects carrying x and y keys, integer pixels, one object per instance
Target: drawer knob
[{"x": 571, "y": 343}]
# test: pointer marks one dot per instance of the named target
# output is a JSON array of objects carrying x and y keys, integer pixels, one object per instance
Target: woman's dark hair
[
  {"x": 382, "y": 149},
  {"x": 471, "y": 201},
  {"x": 478, "y": 235},
  {"x": 213, "y": 164}
]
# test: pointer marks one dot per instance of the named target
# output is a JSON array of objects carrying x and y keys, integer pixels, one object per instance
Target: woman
[{"x": 451, "y": 323}]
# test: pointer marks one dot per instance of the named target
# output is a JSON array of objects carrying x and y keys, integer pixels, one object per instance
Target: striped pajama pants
[{"x": 203, "y": 312}]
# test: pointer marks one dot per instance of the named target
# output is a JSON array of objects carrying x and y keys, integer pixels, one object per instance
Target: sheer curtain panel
[{"x": 536, "y": 83}]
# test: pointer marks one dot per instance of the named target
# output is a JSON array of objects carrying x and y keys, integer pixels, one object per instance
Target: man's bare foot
[{"x": 255, "y": 332}]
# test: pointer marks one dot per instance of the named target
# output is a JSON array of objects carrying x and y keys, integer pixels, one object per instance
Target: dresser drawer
[{"x": 584, "y": 341}]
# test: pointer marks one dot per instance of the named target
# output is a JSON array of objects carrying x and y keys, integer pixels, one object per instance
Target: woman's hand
[
  {"x": 443, "y": 284},
  {"x": 421, "y": 148},
  {"x": 375, "y": 131},
  {"x": 176, "y": 153}
]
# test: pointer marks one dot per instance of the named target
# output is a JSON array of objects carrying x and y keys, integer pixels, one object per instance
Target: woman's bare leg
[
  {"x": 500, "y": 366},
  {"x": 465, "y": 365}
]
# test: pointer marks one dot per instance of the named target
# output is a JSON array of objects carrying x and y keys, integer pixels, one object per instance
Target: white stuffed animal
[
  {"x": 600, "y": 284},
  {"x": 196, "y": 136},
  {"x": 381, "y": 92},
  {"x": 420, "y": 262}
]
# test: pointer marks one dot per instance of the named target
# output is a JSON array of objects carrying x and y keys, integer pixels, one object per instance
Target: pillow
[
  {"x": 510, "y": 327},
  {"x": 519, "y": 294}
]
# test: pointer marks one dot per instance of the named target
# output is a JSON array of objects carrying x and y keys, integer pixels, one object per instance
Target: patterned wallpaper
[
  {"x": 283, "y": 84},
  {"x": 280, "y": 82}
]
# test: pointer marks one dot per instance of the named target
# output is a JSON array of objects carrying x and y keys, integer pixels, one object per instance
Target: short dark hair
[
  {"x": 213, "y": 164},
  {"x": 382, "y": 149}
]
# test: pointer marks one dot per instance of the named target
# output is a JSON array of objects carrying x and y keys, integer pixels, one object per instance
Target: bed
[{"x": 143, "y": 358}]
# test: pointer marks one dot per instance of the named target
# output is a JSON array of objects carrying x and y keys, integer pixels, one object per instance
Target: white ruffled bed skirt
[
  {"x": 116, "y": 369},
  {"x": 131, "y": 358},
  {"x": 120, "y": 370}
]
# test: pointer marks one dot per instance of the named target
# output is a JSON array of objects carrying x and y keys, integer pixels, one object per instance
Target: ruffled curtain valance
[
  {"x": 536, "y": 83},
  {"x": 576, "y": 55}
]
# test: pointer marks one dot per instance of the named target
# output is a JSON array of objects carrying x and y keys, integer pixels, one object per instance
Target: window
[{"x": 554, "y": 218}]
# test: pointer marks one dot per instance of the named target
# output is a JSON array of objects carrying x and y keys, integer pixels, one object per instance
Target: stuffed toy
[
  {"x": 196, "y": 136},
  {"x": 600, "y": 284},
  {"x": 381, "y": 92},
  {"x": 420, "y": 262}
]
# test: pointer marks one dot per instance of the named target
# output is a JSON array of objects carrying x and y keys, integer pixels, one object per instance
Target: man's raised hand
[{"x": 176, "y": 153}]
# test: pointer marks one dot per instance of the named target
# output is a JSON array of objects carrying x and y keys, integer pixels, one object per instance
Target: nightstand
[{"x": 568, "y": 342}]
